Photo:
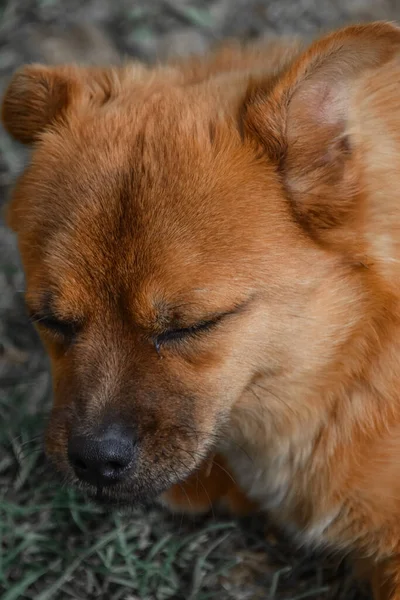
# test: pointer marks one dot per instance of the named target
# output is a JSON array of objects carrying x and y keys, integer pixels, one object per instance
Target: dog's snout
[{"x": 103, "y": 459}]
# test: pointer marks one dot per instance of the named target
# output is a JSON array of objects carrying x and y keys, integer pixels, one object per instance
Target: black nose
[{"x": 103, "y": 459}]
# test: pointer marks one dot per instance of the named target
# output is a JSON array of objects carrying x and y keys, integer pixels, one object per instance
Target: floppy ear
[
  {"x": 301, "y": 121},
  {"x": 34, "y": 97},
  {"x": 38, "y": 94}
]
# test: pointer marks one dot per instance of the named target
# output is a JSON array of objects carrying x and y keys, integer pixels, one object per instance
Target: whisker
[
  {"x": 198, "y": 481},
  {"x": 208, "y": 496},
  {"x": 183, "y": 489},
  {"x": 220, "y": 436},
  {"x": 280, "y": 399},
  {"x": 225, "y": 471}
]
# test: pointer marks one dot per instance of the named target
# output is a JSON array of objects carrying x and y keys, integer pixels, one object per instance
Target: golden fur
[{"x": 257, "y": 188}]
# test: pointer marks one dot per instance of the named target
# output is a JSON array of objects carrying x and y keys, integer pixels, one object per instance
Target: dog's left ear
[{"x": 301, "y": 121}]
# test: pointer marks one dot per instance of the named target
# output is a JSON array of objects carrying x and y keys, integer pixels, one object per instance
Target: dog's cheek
[{"x": 60, "y": 422}]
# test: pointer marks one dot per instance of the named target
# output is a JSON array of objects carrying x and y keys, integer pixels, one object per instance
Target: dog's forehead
[
  {"x": 131, "y": 153},
  {"x": 132, "y": 177},
  {"x": 161, "y": 166},
  {"x": 147, "y": 198}
]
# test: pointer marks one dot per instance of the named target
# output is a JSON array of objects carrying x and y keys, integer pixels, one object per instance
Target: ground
[{"x": 54, "y": 544}]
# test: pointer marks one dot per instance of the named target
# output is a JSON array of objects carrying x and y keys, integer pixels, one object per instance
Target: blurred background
[{"x": 54, "y": 545}]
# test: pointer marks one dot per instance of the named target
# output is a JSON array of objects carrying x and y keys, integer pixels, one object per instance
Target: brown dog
[{"x": 212, "y": 255}]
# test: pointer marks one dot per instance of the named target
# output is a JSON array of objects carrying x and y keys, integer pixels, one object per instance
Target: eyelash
[
  {"x": 177, "y": 335},
  {"x": 58, "y": 328}
]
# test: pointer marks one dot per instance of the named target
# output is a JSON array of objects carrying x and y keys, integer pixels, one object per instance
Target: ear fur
[
  {"x": 34, "y": 97},
  {"x": 38, "y": 94},
  {"x": 374, "y": 130},
  {"x": 301, "y": 121}
]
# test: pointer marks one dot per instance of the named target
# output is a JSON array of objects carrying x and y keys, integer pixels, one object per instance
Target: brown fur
[{"x": 257, "y": 185}]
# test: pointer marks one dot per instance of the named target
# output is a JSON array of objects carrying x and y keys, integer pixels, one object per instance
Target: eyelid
[
  {"x": 171, "y": 335},
  {"x": 54, "y": 324}
]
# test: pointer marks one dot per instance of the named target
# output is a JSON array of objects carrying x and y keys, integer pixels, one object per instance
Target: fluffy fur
[{"x": 257, "y": 189}]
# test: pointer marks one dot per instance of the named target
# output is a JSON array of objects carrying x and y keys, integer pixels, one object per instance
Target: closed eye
[
  {"x": 185, "y": 332},
  {"x": 58, "y": 327}
]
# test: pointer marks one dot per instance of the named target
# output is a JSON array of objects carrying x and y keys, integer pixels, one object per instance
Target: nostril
[
  {"x": 114, "y": 465},
  {"x": 77, "y": 463}
]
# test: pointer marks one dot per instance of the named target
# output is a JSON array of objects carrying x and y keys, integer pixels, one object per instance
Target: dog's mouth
[
  {"x": 144, "y": 492},
  {"x": 136, "y": 491},
  {"x": 109, "y": 498},
  {"x": 123, "y": 496},
  {"x": 126, "y": 475},
  {"x": 142, "y": 488}
]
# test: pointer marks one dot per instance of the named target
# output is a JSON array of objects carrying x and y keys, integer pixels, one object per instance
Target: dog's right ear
[
  {"x": 38, "y": 95},
  {"x": 35, "y": 96}
]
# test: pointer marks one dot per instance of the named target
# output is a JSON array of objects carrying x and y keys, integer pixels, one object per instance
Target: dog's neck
[{"x": 286, "y": 438}]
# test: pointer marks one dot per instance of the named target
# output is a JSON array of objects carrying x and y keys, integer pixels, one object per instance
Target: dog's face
[
  {"x": 154, "y": 307},
  {"x": 173, "y": 256}
]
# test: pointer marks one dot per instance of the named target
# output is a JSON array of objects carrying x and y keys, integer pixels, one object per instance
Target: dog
[{"x": 212, "y": 260}]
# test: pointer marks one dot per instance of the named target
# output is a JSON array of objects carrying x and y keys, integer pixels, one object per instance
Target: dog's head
[{"x": 180, "y": 241}]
